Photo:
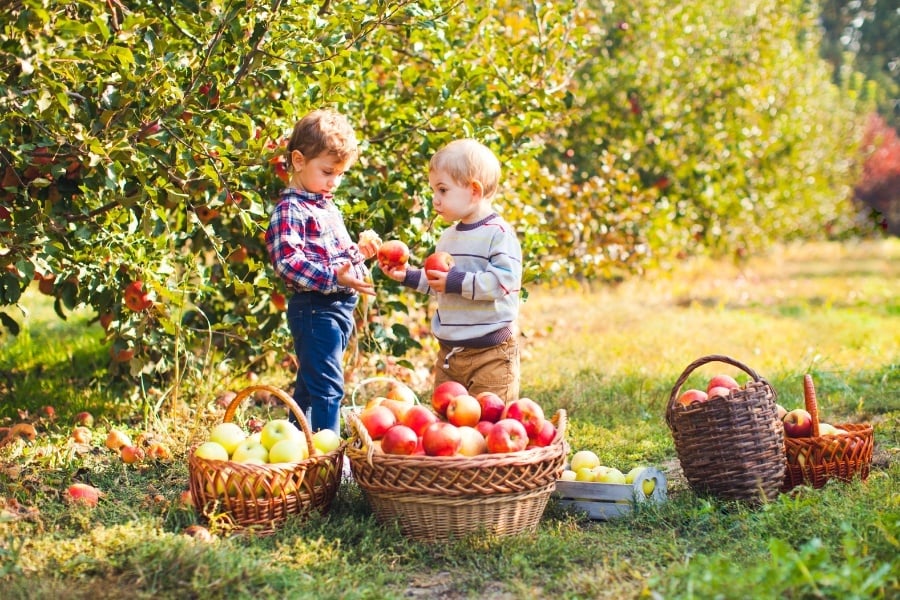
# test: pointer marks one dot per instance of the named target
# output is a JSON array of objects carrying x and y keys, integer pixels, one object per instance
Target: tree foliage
[{"x": 143, "y": 141}]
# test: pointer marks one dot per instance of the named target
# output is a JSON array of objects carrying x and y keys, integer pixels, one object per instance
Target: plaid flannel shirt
[{"x": 307, "y": 240}]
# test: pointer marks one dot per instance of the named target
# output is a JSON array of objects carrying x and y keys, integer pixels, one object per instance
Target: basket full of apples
[
  {"x": 463, "y": 464},
  {"x": 818, "y": 451},
  {"x": 728, "y": 437},
  {"x": 256, "y": 480}
]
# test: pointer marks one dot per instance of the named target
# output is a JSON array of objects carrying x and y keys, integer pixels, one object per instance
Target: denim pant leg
[{"x": 321, "y": 326}]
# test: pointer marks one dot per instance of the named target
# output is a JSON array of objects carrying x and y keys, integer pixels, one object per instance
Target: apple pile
[
  {"x": 456, "y": 424},
  {"x": 585, "y": 466},
  {"x": 278, "y": 441},
  {"x": 719, "y": 385}
]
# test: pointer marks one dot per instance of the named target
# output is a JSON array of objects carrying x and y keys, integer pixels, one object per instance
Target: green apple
[
  {"x": 326, "y": 440},
  {"x": 211, "y": 451},
  {"x": 276, "y": 430},
  {"x": 568, "y": 475},
  {"x": 609, "y": 475},
  {"x": 249, "y": 451},
  {"x": 289, "y": 450},
  {"x": 631, "y": 475},
  {"x": 584, "y": 474},
  {"x": 229, "y": 435},
  {"x": 582, "y": 459}
]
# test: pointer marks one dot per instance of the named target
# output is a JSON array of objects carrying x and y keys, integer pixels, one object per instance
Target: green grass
[{"x": 610, "y": 357}]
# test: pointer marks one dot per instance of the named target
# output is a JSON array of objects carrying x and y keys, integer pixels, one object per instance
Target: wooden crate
[{"x": 604, "y": 501}]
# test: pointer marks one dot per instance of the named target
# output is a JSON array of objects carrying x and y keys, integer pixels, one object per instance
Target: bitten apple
[
  {"x": 492, "y": 406},
  {"x": 445, "y": 392},
  {"x": 526, "y": 411},
  {"x": 464, "y": 410},
  {"x": 507, "y": 435}
]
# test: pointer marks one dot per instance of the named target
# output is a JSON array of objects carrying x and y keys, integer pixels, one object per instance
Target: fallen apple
[
  {"x": 115, "y": 439},
  {"x": 81, "y": 435},
  {"x": 82, "y": 493},
  {"x": 131, "y": 454}
]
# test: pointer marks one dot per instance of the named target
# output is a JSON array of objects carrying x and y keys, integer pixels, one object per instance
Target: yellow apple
[
  {"x": 276, "y": 430},
  {"x": 609, "y": 475},
  {"x": 211, "y": 451},
  {"x": 228, "y": 435},
  {"x": 568, "y": 475},
  {"x": 584, "y": 474},
  {"x": 326, "y": 440},
  {"x": 250, "y": 451},
  {"x": 289, "y": 450},
  {"x": 584, "y": 459}
]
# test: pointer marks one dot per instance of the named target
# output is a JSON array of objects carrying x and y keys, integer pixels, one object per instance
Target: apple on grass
[
  {"x": 526, "y": 411},
  {"x": 229, "y": 435},
  {"x": 507, "y": 435},
  {"x": 441, "y": 439},
  {"x": 797, "y": 423},
  {"x": 399, "y": 439},
  {"x": 85, "y": 419},
  {"x": 82, "y": 493},
  {"x": 132, "y": 454},
  {"x": 81, "y": 435},
  {"x": 276, "y": 430},
  {"x": 492, "y": 406},
  {"x": 444, "y": 393},
  {"x": 464, "y": 410},
  {"x": 419, "y": 417},
  {"x": 115, "y": 439},
  {"x": 692, "y": 396}
]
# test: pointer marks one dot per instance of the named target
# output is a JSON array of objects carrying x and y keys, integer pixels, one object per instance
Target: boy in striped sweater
[{"x": 478, "y": 298}]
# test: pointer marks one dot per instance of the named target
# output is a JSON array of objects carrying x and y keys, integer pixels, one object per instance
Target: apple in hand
[
  {"x": 419, "y": 417},
  {"x": 443, "y": 393},
  {"x": 377, "y": 420},
  {"x": 692, "y": 396},
  {"x": 507, "y": 435},
  {"x": 721, "y": 380},
  {"x": 492, "y": 406},
  {"x": 526, "y": 411},
  {"x": 797, "y": 423},
  {"x": 439, "y": 261},
  {"x": 276, "y": 430},
  {"x": 392, "y": 255},
  {"x": 399, "y": 439},
  {"x": 464, "y": 410},
  {"x": 441, "y": 439},
  {"x": 229, "y": 435}
]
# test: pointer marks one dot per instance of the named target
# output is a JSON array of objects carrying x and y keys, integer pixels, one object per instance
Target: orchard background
[{"x": 143, "y": 142}]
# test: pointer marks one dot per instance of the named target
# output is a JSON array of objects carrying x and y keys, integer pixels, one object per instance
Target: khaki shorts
[{"x": 494, "y": 369}]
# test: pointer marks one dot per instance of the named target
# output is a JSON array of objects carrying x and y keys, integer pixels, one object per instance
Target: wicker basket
[
  {"x": 437, "y": 498},
  {"x": 260, "y": 497},
  {"x": 730, "y": 447},
  {"x": 814, "y": 460}
]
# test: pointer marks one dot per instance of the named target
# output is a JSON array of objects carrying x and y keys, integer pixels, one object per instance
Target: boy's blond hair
[
  {"x": 324, "y": 131},
  {"x": 468, "y": 160}
]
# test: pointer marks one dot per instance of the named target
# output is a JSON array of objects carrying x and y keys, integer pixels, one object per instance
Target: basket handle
[
  {"x": 283, "y": 396},
  {"x": 699, "y": 363},
  {"x": 812, "y": 405},
  {"x": 378, "y": 378},
  {"x": 357, "y": 428}
]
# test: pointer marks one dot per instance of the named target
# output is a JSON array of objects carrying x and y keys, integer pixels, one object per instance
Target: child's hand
[
  {"x": 397, "y": 273},
  {"x": 437, "y": 280},
  {"x": 369, "y": 242},
  {"x": 345, "y": 279}
]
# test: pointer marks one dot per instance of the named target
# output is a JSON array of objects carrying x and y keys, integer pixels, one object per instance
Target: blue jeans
[{"x": 321, "y": 325}]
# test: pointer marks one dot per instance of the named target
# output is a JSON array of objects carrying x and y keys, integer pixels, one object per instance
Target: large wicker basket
[
  {"x": 816, "y": 459},
  {"x": 260, "y": 497},
  {"x": 437, "y": 498},
  {"x": 730, "y": 447}
]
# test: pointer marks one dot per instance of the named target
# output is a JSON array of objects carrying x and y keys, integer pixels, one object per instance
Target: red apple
[
  {"x": 719, "y": 390},
  {"x": 136, "y": 298},
  {"x": 439, "y": 261},
  {"x": 473, "y": 443},
  {"x": 464, "y": 410},
  {"x": 392, "y": 254},
  {"x": 484, "y": 427},
  {"x": 81, "y": 435},
  {"x": 278, "y": 301},
  {"x": 441, "y": 439},
  {"x": 399, "y": 439},
  {"x": 82, "y": 493},
  {"x": 115, "y": 439},
  {"x": 721, "y": 380},
  {"x": 131, "y": 454},
  {"x": 689, "y": 397},
  {"x": 797, "y": 423},
  {"x": 397, "y": 407},
  {"x": 445, "y": 392},
  {"x": 418, "y": 417},
  {"x": 526, "y": 411},
  {"x": 506, "y": 435},
  {"x": 545, "y": 436},
  {"x": 377, "y": 420},
  {"x": 492, "y": 406},
  {"x": 85, "y": 418},
  {"x": 158, "y": 451}
]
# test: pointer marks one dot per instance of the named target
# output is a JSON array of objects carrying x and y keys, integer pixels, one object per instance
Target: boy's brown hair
[{"x": 324, "y": 131}]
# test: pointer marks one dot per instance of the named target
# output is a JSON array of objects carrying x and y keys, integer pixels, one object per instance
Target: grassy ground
[{"x": 609, "y": 357}]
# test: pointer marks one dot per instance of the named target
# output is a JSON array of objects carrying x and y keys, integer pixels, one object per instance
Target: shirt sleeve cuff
[{"x": 454, "y": 281}]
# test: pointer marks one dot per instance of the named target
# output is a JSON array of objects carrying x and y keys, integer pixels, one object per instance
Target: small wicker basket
[
  {"x": 731, "y": 447},
  {"x": 814, "y": 460},
  {"x": 260, "y": 497},
  {"x": 436, "y": 498}
]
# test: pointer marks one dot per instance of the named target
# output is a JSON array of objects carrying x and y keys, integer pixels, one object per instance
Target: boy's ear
[
  {"x": 297, "y": 159},
  {"x": 477, "y": 188}
]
